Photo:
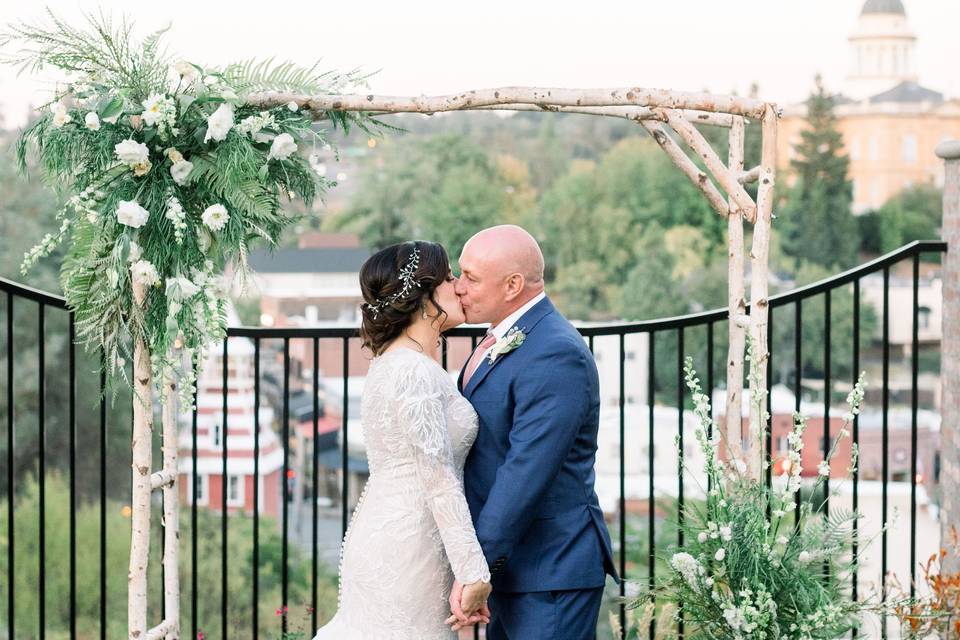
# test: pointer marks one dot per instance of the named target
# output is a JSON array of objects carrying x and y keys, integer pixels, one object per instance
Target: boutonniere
[{"x": 506, "y": 344}]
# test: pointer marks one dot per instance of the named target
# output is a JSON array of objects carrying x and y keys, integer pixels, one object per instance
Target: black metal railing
[{"x": 28, "y": 428}]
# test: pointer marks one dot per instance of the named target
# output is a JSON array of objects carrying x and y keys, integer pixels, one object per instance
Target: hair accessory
[{"x": 406, "y": 276}]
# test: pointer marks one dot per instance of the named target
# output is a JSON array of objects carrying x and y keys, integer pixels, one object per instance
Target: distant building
[
  {"x": 889, "y": 122},
  {"x": 237, "y": 435}
]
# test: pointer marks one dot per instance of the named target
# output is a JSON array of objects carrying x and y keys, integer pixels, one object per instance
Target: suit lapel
[{"x": 526, "y": 323}]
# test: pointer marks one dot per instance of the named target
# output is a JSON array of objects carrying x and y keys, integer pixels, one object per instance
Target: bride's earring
[{"x": 423, "y": 312}]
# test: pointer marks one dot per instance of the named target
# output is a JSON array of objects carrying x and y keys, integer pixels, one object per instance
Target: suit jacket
[{"x": 529, "y": 478}]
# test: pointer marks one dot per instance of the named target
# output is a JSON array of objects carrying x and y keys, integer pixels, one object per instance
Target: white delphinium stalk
[
  {"x": 688, "y": 567},
  {"x": 178, "y": 217}
]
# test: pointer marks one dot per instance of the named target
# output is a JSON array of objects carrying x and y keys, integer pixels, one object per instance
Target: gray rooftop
[
  {"x": 908, "y": 92},
  {"x": 324, "y": 260},
  {"x": 883, "y": 6}
]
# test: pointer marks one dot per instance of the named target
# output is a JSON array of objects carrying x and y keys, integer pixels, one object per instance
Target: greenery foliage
[{"x": 173, "y": 175}]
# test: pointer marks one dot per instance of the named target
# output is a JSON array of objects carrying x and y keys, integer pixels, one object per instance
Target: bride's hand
[{"x": 469, "y": 605}]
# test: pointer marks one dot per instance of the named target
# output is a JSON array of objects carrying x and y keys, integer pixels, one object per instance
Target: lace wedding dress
[{"x": 411, "y": 532}]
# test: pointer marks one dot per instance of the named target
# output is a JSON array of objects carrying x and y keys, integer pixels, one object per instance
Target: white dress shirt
[{"x": 507, "y": 323}]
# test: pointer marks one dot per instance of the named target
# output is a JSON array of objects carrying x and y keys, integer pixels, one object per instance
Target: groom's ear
[{"x": 514, "y": 286}]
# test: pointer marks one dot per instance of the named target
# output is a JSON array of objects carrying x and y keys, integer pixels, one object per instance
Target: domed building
[{"x": 890, "y": 123}]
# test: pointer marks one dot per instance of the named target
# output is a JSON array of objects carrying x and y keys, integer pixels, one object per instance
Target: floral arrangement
[
  {"x": 748, "y": 570},
  {"x": 173, "y": 175}
]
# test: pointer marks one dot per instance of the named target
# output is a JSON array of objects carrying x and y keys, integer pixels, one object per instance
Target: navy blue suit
[{"x": 529, "y": 482}]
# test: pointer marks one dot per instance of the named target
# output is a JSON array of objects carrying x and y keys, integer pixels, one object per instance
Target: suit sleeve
[{"x": 551, "y": 402}]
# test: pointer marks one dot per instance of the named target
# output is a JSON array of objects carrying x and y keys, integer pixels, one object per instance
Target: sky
[{"x": 443, "y": 46}]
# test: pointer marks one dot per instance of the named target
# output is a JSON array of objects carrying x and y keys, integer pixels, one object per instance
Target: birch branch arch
[{"x": 669, "y": 117}]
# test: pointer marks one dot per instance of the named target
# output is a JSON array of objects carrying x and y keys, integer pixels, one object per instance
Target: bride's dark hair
[{"x": 388, "y": 310}]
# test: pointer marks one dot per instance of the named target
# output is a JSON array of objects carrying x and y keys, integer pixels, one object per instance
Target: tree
[
  {"x": 443, "y": 189},
  {"x": 817, "y": 223}
]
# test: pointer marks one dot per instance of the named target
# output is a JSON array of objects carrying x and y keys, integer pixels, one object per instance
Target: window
[
  {"x": 201, "y": 489},
  {"x": 855, "y": 149},
  {"x": 782, "y": 444},
  {"x": 923, "y": 317},
  {"x": 874, "y": 148},
  {"x": 909, "y": 148},
  {"x": 234, "y": 490}
]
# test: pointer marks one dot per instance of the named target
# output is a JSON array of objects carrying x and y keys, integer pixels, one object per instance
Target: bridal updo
[{"x": 396, "y": 283}]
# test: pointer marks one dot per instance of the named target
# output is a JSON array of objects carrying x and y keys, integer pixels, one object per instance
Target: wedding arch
[{"x": 219, "y": 185}]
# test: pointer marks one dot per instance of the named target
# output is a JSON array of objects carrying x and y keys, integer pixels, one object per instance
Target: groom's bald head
[{"x": 502, "y": 269}]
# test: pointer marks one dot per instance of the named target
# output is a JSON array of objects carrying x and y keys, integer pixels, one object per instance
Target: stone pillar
[{"x": 950, "y": 354}]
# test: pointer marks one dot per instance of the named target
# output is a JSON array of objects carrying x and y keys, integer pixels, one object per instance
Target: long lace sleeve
[{"x": 421, "y": 414}]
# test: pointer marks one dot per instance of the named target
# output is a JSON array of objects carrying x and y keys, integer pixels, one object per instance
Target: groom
[{"x": 529, "y": 478}]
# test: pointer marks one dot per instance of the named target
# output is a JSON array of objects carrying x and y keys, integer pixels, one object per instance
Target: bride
[{"x": 411, "y": 534}]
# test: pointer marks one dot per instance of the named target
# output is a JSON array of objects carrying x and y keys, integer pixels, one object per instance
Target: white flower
[
  {"x": 782, "y": 540},
  {"x": 283, "y": 147},
  {"x": 215, "y": 217},
  {"x": 688, "y": 567},
  {"x": 702, "y": 537},
  {"x": 720, "y": 554},
  {"x": 180, "y": 171},
  {"x": 134, "y": 251},
  {"x": 804, "y": 557},
  {"x": 778, "y": 513},
  {"x": 186, "y": 71},
  {"x": 506, "y": 344},
  {"x": 131, "y": 152},
  {"x": 92, "y": 121},
  {"x": 709, "y": 582},
  {"x": 153, "y": 109},
  {"x": 60, "y": 115},
  {"x": 220, "y": 123},
  {"x": 145, "y": 273},
  {"x": 112, "y": 119},
  {"x": 734, "y": 618},
  {"x": 181, "y": 288},
  {"x": 726, "y": 533},
  {"x": 824, "y": 468},
  {"x": 293, "y": 106},
  {"x": 130, "y": 213}
]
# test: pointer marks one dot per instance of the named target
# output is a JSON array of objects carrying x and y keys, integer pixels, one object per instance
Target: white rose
[
  {"x": 720, "y": 554},
  {"x": 219, "y": 124},
  {"x": 60, "y": 115},
  {"x": 215, "y": 217},
  {"x": 186, "y": 71},
  {"x": 134, "y": 251},
  {"x": 131, "y": 214},
  {"x": 293, "y": 106},
  {"x": 702, "y": 537},
  {"x": 283, "y": 147},
  {"x": 145, "y": 273},
  {"x": 92, "y": 121},
  {"x": 132, "y": 152},
  {"x": 180, "y": 171}
]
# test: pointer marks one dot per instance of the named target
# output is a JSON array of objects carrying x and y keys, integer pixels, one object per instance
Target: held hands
[{"x": 468, "y": 605}]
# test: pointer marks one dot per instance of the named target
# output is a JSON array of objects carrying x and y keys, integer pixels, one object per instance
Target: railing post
[{"x": 950, "y": 359}]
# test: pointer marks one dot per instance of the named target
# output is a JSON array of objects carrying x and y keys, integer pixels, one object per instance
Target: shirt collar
[{"x": 501, "y": 329}]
